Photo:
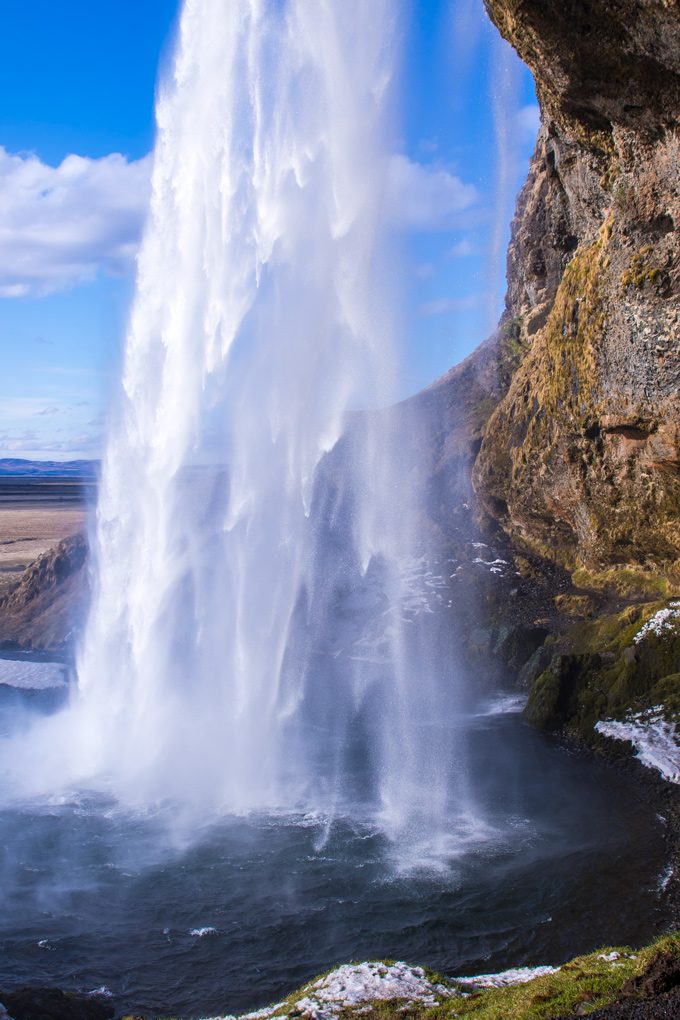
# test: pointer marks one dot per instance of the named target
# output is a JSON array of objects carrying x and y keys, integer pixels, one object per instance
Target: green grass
[{"x": 585, "y": 983}]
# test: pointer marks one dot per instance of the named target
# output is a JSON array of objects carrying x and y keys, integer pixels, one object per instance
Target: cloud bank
[
  {"x": 60, "y": 226},
  {"x": 422, "y": 197}
]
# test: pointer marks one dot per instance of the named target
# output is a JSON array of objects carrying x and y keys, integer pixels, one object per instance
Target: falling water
[
  {"x": 269, "y": 727},
  {"x": 256, "y": 638}
]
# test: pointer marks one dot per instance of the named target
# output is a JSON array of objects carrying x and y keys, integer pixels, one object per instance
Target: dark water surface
[{"x": 566, "y": 855}]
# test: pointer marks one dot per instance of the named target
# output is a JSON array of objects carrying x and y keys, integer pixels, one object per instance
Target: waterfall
[{"x": 254, "y": 641}]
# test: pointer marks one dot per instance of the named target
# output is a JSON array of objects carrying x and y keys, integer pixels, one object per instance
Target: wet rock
[
  {"x": 53, "y": 1004},
  {"x": 663, "y": 975},
  {"x": 662, "y": 1007}
]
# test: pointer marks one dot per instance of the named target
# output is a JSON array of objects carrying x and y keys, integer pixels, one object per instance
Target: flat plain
[{"x": 36, "y": 514}]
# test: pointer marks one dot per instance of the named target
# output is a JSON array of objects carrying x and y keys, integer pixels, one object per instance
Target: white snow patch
[
  {"x": 258, "y": 1014},
  {"x": 662, "y": 622},
  {"x": 515, "y": 976},
  {"x": 352, "y": 985},
  {"x": 36, "y": 676},
  {"x": 654, "y": 739},
  {"x": 355, "y": 984}
]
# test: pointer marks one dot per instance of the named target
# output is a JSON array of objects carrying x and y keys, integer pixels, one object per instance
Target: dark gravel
[{"x": 661, "y": 1007}]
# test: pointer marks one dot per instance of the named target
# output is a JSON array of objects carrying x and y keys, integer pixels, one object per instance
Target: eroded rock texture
[
  {"x": 49, "y": 602},
  {"x": 580, "y": 460}
]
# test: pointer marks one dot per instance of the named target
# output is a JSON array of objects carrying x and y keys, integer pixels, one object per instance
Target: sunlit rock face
[
  {"x": 580, "y": 460},
  {"x": 50, "y": 599}
]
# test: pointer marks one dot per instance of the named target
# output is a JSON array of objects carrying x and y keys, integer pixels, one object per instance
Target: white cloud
[
  {"x": 60, "y": 226},
  {"x": 29, "y": 443},
  {"x": 426, "y": 197}
]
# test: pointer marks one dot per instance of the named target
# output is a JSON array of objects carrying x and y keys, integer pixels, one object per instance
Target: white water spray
[{"x": 251, "y": 643}]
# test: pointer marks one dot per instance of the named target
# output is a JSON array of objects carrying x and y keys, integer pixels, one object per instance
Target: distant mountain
[{"x": 48, "y": 468}]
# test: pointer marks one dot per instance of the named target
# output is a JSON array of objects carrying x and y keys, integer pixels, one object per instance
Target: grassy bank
[{"x": 577, "y": 988}]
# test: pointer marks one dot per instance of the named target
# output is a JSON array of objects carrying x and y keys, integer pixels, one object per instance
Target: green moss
[
  {"x": 640, "y": 271},
  {"x": 667, "y": 693},
  {"x": 480, "y": 412},
  {"x": 598, "y": 671},
  {"x": 575, "y": 605},
  {"x": 629, "y": 581},
  {"x": 558, "y": 481},
  {"x": 555, "y": 697},
  {"x": 512, "y": 346},
  {"x": 584, "y": 985}
]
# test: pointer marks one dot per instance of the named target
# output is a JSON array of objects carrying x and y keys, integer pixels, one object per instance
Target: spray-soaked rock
[{"x": 53, "y": 1004}]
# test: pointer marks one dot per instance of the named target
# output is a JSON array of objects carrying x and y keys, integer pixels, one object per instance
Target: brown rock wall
[{"x": 580, "y": 458}]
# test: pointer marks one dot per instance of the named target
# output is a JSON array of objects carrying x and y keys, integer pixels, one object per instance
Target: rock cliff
[
  {"x": 562, "y": 432},
  {"x": 580, "y": 459},
  {"x": 49, "y": 602}
]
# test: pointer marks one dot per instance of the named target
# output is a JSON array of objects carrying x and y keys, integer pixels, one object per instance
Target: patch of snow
[
  {"x": 356, "y": 984},
  {"x": 664, "y": 621},
  {"x": 515, "y": 976},
  {"x": 35, "y": 676},
  {"x": 258, "y": 1014},
  {"x": 654, "y": 739}
]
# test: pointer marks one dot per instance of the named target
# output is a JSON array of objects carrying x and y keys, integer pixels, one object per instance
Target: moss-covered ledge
[{"x": 612, "y": 667}]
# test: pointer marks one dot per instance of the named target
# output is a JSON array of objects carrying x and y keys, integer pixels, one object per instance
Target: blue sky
[{"x": 76, "y": 128}]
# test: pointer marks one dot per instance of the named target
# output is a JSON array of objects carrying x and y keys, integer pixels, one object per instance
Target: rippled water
[{"x": 564, "y": 857}]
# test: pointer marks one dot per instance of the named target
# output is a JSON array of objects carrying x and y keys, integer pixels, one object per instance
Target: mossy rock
[
  {"x": 601, "y": 671},
  {"x": 582, "y": 606},
  {"x": 554, "y": 697},
  {"x": 628, "y": 581},
  {"x": 667, "y": 693}
]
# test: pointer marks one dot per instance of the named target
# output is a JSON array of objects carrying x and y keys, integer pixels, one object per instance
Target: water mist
[{"x": 253, "y": 641}]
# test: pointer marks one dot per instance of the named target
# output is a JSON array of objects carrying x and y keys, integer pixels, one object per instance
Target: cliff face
[
  {"x": 50, "y": 600},
  {"x": 580, "y": 460}
]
